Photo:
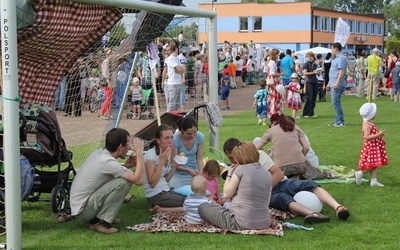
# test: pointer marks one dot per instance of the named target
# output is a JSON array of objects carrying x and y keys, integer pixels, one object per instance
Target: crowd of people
[
  {"x": 173, "y": 173},
  {"x": 174, "y": 161}
]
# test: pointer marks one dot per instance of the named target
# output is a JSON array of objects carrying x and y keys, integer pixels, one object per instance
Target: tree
[
  {"x": 392, "y": 11},
  {"x": 353, "y": 6}
]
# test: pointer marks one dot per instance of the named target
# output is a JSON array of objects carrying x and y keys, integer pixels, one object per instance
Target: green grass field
[{"x": 374, "y": 211}]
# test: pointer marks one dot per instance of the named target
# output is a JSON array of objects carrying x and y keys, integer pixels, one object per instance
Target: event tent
[{"x": 316, "y": 50}]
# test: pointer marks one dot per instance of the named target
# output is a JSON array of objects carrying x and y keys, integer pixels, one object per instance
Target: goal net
[{"x": 62, "y": 49}]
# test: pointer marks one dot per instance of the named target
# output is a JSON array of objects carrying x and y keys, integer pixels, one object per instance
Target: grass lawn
[{"x": 374, "y": 214}]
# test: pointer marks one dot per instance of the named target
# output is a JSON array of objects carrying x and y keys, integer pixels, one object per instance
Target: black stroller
[{"x": 43, "y": 146}]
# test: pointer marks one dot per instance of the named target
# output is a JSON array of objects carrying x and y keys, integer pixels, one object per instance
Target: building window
[
  {"x": 366, "y": 25},
  {"x": 315, "y": 23},
  {"x": 324, "y": 23},
  {"x": 373, "y": 29},
  {"x": 379, "y": 30},
  {"x": 333, "y": 24},
  {"x": 350, "y": 23},
  {"x": 257, "y": 20},
  {"x": 244, "y": 24},
  {"x": 358, "y": 27}
]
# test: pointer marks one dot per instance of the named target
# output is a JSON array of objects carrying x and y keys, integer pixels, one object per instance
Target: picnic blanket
[
  {"x": 175, "y": 222},
  {"x": 340, "y": 174}
]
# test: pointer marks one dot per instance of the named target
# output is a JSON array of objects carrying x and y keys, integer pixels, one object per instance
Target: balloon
[
  {"x": 280, "y": 89},
  {"x": 309, "y": 200}
]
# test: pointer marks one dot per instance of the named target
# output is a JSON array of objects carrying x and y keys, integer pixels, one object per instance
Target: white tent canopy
[{"x": 316, "y": 50}]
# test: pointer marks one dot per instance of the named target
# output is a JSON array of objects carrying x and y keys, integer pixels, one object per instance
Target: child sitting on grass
[
  {"x": 212, "y": 171},
  {"x": 260, "y": 99},
  {"x": 193, "y": 201}
]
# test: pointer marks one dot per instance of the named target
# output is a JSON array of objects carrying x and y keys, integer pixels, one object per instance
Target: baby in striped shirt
[{"x": 193, "y": 201}]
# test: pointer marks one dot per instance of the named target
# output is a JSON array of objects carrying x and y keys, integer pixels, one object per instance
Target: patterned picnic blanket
[{"x": 175, "y": 222}]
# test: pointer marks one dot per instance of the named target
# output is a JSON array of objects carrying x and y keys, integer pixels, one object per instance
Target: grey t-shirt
[
  {"x": 251, "y": 201},
  {"x": 99, "y": 168},
  {"x": 286, "y": 145}
]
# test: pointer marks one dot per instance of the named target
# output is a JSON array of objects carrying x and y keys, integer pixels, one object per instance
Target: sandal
[
  {"x": 342, "y": 212},
  {"x": 316, "y": 217}
]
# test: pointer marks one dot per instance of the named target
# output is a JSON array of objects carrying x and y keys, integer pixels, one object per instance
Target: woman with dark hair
[
  {"x": 187, "y": 142},
  {"x": 289, "y": 147},
  {"x": 311, "y": 72},
  {"x": 159, "y": 171},
  {"x": 249, "y": 186}
]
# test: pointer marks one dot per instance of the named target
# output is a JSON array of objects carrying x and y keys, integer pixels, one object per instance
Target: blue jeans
[
  {"x": 59, "y": 95},
  {"x": 336, "y": 97},
  {"x": 282, "y": 194}
]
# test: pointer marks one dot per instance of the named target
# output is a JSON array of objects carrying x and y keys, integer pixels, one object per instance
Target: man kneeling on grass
[{"x": 102, "y": 183}]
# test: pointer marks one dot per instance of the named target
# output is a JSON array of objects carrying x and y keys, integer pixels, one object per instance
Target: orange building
[{"x": 294, "y": 25}]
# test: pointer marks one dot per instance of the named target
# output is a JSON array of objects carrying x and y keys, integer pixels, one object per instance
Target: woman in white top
[{"x": 159, "y": 170}]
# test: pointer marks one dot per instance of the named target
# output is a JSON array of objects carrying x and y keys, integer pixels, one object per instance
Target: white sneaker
[
  {"x": 358, "y": 175},
  {"x": 376, "y": 184}
]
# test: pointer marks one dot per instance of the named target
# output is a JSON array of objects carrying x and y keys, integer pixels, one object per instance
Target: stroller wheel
[
  {"x": 151, "y": 115},
  {"x": 143, "y": 116},
  {"x": 58, "y": 199},
  {"x": 129, "y": 116}
]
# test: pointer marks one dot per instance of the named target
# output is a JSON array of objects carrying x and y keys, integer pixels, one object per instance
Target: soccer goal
[{"x": 55, "y": 50}]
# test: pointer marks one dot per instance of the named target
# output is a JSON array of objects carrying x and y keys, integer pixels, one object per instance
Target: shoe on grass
[
  {"x": 259, "y": 122},
  {"x": 342, "y": 212},
  {"x": 103, "y": 227},
  {"x": 316, "y": 218},
  {"x": 376, "y": 184},
  {"x": 339, "y": 125}
]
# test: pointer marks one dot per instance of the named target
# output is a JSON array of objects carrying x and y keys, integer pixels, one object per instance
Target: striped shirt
[{"x": 191, "y": 206}]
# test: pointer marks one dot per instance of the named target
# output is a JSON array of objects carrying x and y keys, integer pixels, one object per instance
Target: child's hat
[
  {"x": 135, "y": 79},
  {"x": 398, "y": 64},
  {"x": 225, "y": 71},
  {"x": 294, "y": 75},
  {"x": 368, "y": 111}
]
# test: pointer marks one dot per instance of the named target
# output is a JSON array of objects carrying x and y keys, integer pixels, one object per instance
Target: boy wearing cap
[
  {"x": 373, "y": 153},
  {"x": 225, "y": 88},
  {"x": 396, "y": 81}
]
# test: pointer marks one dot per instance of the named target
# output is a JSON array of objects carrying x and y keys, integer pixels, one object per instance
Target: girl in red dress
[{"x": 373, "y": 153}]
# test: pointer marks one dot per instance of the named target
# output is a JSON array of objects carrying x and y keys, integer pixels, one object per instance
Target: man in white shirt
[{"x": 175, "y": 73}]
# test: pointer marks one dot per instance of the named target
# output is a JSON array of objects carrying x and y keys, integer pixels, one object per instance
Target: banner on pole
[
  {"x": 152, "y": 52},
  {"x": 342, "y": 32}
]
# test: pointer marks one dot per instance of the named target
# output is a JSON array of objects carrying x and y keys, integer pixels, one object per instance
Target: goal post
[{"x": 11, "y": 99}]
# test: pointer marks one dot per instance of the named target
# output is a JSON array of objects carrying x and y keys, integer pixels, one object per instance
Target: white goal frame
[{"x": 11, "y": 100}]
